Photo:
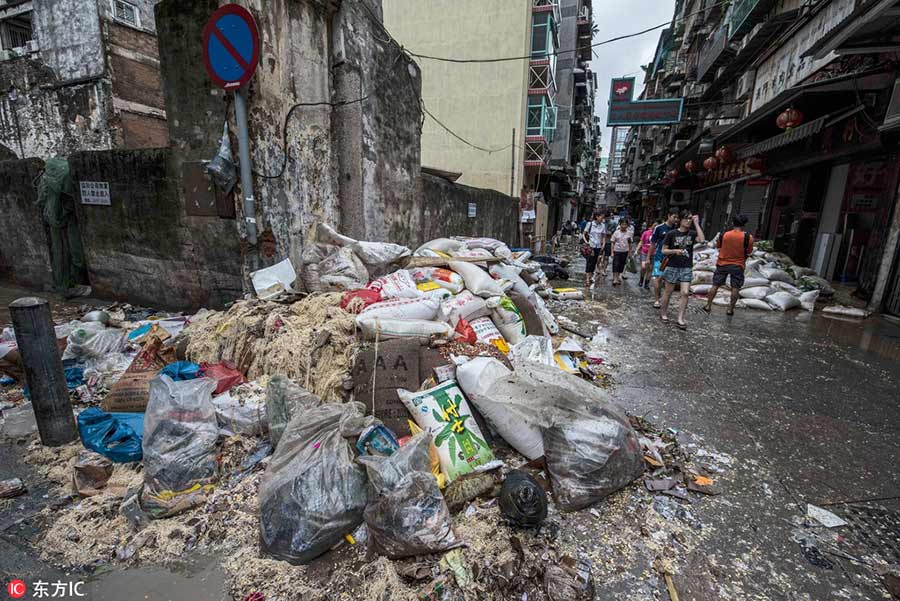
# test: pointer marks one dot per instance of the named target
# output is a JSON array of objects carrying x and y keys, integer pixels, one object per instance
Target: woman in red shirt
[{"x": 644, "y": 248}]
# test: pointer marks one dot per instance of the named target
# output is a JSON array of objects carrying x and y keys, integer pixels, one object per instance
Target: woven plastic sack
[
  {"x": 313, "y": 493},
  {"x": 507, "y": 318},
  {"x": 408, "y": 515},
  {"x": 783, "y": 301},
  {"x": 478, "y": 281},
  {"x": 180, "y": 434}
]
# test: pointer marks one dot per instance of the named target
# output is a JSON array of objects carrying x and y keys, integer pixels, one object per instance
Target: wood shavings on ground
[{"x": 311, "y": 341}]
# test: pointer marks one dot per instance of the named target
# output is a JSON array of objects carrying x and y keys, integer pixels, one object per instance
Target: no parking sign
[{"x": 231, "y": 46}]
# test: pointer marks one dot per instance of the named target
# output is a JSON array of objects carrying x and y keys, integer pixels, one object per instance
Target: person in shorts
[
  {"x": 594, "y": 235},
  {"x": 678, "y": 246},
  {"x": 621, "y": 241},
  {"x": 735, "y": 247},
  {"x": 609, "y": 226},
  {"x": 655, "y": 253}
]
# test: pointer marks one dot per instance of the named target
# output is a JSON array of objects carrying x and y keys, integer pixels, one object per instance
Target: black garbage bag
[
  {"x": 408, "y": 515},
  {"x": 313, "y": 493},
  {"x": 179, "y": 445},
  {"x": 522, "y": 500}
]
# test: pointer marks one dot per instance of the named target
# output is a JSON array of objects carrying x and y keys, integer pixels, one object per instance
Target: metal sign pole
[{"x": 240, "y": 115}]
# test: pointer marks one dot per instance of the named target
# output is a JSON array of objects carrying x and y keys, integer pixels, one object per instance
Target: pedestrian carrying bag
[{"x": 586, "y": 250}]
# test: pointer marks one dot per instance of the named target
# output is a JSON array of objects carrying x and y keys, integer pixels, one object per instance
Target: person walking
[
  {"x": 609, "y": 226},
  {"x": 678, "y": 246},
  {"x": 655, "y": 254},
  {"x": 622, "y": 244},
  {"x": 734, "y": 247},
  {"x": 644, "y": 250},
  {"x": 593, "y": 236}
]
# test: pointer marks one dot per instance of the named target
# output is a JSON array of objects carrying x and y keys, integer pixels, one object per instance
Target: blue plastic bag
[
  {"x": 117, "y": 436},
  {"x": 181, "y": 370}
]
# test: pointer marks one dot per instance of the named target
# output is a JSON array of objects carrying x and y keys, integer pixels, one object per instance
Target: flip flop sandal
[
  {"x": 705, "y": 309},
  {"x": 681, "y": 326},
  {"x": 664, "y": 318},
  {"x": 729, "y": 312},
  {"x": 656, "y": 305}
]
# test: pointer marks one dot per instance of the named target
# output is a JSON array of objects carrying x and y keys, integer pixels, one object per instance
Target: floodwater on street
[{"x": 807, "y": 407}]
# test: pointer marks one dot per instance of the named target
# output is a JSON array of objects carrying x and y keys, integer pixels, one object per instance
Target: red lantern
[
  {"x": 756, "y": 163},
  {"x": 711, "y": 164},
  {"x": 724, "y": 155},
  {"x": 791, "y": 117},
  {"x": 673, "y": 173},
  {"x": 690, "y": 166}
]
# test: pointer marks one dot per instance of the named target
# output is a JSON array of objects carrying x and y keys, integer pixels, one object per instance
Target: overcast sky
[{"x": 625, "y": 57}]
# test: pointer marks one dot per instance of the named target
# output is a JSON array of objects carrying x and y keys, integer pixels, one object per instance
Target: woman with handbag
[{"x": 593, "y": 237}]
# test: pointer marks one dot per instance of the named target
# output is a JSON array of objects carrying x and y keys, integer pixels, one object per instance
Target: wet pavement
[{"x": 806, "y": 405}]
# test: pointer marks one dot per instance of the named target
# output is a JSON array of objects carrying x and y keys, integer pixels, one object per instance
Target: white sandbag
[
  {"x": 701, "y": 288},
  {"x": 701, "y": 277},
  {"x": 813, "y": 282},
  {"x": 373, "y": 327},
  {"x": 486, "y": 332},
  {"x": 478, "y": 281},
  {"x": 473, "y": 253},
  {"x": 847, "y": 311},
  {"x": 704, "y": 266},
  {"x": 808, "y": 300},
  {"x": 402, "y": 308},
  {"x": 464, "y": 305},
  {"x": 775, "y": 274},
  {"x": 782, "y": 300},
  {"x": 507, "y": 317},
  {"x": 375, "y": 255},
  {"x": 496, "y": 248},
  {"x": 537, "y": 349},
  {"x": 799, "y": 271},
  {"x": 755, "y": 303},
  {"x": 760, "y": 254},
  {"x": 444, "y": 278},
  {"x": 756, "y": 292},
  {"x": 444, "y": 245},
  {"x": 510, "y": 274},
  {"x": 342, "y": 270},
  {"x": 722, "y": 301},
  {"x": 779, "y": 258},
  {"x": 476, "y": 379},
  {"x": 755, "y": 282},
  {"x": 566, "y": 294},
  {"x": 789, "y": 288},
  {"x": 399, "y": 284},
  {"x": 444, "y": 412},
  {"x": 753, "y": 264}
]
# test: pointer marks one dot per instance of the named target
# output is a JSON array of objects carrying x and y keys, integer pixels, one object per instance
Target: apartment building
[
  {"x": 79, "y": 75},
  {"x": 791, "y": 117},
  {"x": 527, "y": 126}
]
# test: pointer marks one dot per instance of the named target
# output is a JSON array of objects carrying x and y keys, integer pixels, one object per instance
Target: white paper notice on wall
[
  {"x": 95, "y": 193},
  {"x": 473, "y": 207}
]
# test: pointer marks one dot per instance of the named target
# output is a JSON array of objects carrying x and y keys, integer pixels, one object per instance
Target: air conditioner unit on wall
[
  {"x": 745, "y": 85},
  {"x": 681, "y": 144},
  {"x": 892, "y": 116}
]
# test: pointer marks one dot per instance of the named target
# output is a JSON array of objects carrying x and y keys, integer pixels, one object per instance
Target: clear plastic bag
[
  {"x": 408, "y": 515},
  {"x": 313, "y": 493},
  {"x": 221, "y": 168},
  {"x": 180, "y": 435},
  {"x": 93, "y": 340}
]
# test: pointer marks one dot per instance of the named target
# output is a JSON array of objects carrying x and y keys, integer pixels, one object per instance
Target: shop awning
[{"x": 795, "y": 134}]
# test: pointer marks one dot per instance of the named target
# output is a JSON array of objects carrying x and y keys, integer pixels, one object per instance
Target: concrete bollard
[{"x": 36, "y": 338}]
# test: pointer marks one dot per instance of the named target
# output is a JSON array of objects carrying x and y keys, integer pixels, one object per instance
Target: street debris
[
  {"x": 824, "y": 517},
  {"x": 12, "y": 488}
]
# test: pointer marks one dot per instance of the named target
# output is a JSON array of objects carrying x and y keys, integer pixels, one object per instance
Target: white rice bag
[
  {"x": 478, "y": 281},
  {"x": 507, "y": 317},
  {"x": 808, "y": 300},
  {"x": 442, "y": 277},
  {"x": 487, "y": 333},
  {"x": 757, "y": 292},
  {"x": 755, "y": 303},
  {"x": 399, "y": 284},
  {"x": 782, "y": 300},
  {"x": 701, "y": 288},
  {"x": 464, "y": 305},
  {"x": 423, "y": 329},
  {"x": 402, "y": 308}
]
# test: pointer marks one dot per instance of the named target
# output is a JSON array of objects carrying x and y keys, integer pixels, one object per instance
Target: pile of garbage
[
  {"x": 292, "y": 411},
  {"x": 773, "y": 282}
]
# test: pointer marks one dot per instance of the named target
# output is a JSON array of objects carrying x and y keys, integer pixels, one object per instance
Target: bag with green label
[{"x": 444, "y": 412}]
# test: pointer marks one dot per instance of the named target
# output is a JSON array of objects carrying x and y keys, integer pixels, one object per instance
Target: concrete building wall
[
  {"x": 447, "y": 211},
  {"x": 565, "y": 82},
  {"x": 481, "y": 102},
  {"x": 25, "y": 247},
  {"x": 68, "y": 34}
]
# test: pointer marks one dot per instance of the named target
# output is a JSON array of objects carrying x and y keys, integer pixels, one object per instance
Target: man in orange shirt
[{"x": 734, "y": 246}]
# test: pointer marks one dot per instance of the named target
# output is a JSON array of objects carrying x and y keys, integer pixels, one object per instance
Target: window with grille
[
  {"x": 16, "y": 31},
  {"x": 126, "y": 12}
]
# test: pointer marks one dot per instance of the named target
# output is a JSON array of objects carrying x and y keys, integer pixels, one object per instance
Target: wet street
[{"x": 807, "y": 408}]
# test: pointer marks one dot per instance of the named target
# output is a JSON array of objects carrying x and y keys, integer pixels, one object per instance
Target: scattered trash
[
  {"x": 522, "y": 500},
  {"x": 181, "y": 370},
  {"x": 225, "y": 373},
  {"x": 90, "y": 474},
  {"x": 180, "y": 434},
  {"x": 824, "y": 517},
  {"x": 408, "y": 515},
  {"x": 242, "y": 410},
  {"x": 17, "y": 422},
  {"x": 272, "y": 281},
  {"x": 117, "y": 436},
  {"x": 467, "y": 488},
  {"x": 569, "y": 580},
  {"x": 284, "y": 399}
]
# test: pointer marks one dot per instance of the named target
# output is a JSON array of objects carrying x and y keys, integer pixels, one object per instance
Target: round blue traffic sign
[{"x": 231, "y": 46}]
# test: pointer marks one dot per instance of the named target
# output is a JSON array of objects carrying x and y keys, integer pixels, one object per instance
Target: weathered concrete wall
[
  {"x": 24, "y": 247},
  {"x": 144, "y": 247},
  {"x": 145, "y": 11},
  {"x": 39, "y": 118},
  {"x": 378, "y": 138},
  {"x": 68, "y": 34},
  {"x": 447, "y": 210}
]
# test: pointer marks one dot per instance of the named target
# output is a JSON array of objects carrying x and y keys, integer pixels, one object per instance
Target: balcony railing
[
  {"x": 745, "y": 14},
  {"x": 541, "y": 78},
  {"x": 713, "y": 54},
  {"x": 550, "y": 6}
]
